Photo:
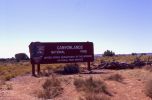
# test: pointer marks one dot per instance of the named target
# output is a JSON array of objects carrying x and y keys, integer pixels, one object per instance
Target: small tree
[
  {"x": 142, "y": 54},
  {"x": 108, "y": 53},
  {"x": 21, "y": 56},
  {"x": 134, "y": 54}
]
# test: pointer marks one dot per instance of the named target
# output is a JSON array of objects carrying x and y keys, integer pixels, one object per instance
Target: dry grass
[
  {"x": 149, "y": 68},
  {"x": 148, "y": 88},
  {"x": 2, "y": 83},
  {"x": 51, "y": 89},
  {"x": 5, "y": 86},
  {"x": 116, "y": 77},
  {"x": 9, "y": 87},
  {"x": 94, "y": 96},
  {"x": 128, "y": 59},
  {"x": 90, "y": 85},
  {"x": 93, "y": 89},
  {"x": 11, "y": 70}
]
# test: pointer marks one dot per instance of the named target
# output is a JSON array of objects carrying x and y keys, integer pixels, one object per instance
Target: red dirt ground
[{"x": 132, "y": 88}]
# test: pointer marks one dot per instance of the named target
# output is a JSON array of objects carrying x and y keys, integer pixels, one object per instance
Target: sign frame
[{"x": 60, "y": 52}]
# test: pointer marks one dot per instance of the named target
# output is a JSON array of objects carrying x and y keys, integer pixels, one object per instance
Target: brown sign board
[{"x": 61, "y": 52}]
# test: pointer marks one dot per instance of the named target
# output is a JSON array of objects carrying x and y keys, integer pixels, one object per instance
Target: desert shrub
[
  {"x": 108, "y": 53},
  {"x": 9, "y": 76},
  {"x": 2, "y": 82},
  {"x": 138, "y": 62},
  {"x": 9, "y": 86},
  {"x": 93, "y": 96},
  {"x": 5, "y": 86},
  {"x": 116, "y": 77},
  {"x": 51, "y": 88},
  {"x": 90, "y": 85},
  {"x": 133, "y": 54},
  {"x": 148, "y": 68},
  {"x": 71, "y": 69},
  {"x": 148, "y": 88},
  {"x": 142, "y": 54}
]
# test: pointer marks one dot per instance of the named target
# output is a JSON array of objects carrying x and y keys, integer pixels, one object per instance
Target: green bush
[
  {"x": 71, "y": 69},
  {"x": 134, "y": 54},
  {"x": 108, "y": 53},
  {"x": 21, "y": 56}
]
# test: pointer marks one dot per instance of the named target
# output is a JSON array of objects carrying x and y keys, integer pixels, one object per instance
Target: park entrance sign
[{"x": 60, "y": 52}]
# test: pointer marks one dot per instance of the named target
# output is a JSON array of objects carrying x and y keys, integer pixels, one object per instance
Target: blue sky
[{"x": 123, "y": 26}]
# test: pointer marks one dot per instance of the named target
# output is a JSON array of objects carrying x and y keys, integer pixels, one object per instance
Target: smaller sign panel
[{"x": 61, "y": 52}]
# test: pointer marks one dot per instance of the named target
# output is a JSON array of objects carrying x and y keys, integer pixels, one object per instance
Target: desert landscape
[
  {"x": 75, "y": 50},
  {"x": 106, "y": 81}
]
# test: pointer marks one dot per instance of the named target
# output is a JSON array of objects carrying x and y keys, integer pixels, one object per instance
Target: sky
[{"x": 123, "y": 26}]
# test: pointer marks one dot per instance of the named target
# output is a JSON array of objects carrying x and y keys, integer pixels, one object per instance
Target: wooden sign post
[
  {"x": 38, "y": 69},
  {"x": 89, "y": 67},
  {"x": 60, "y": 52},
  {"x": 33, "y": 70}
]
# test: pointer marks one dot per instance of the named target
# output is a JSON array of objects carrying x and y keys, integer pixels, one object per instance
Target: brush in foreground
[
  {"x": 51, "y": 89},
  {"x": 116, "y": 77},
  {"x": 148, "y": 88},
  {"x": 90, "y": 85}
]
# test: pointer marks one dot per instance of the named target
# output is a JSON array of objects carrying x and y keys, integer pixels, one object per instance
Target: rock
[{"x": 119, "y": 65}]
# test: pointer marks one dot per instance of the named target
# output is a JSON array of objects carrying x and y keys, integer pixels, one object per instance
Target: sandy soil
[{"x": 132, "y": 88}]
